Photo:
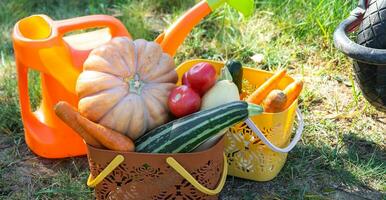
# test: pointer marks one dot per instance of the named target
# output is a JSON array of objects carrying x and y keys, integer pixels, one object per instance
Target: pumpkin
[{"x": 125, "y": 86}]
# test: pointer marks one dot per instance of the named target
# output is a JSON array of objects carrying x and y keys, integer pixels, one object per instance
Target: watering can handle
[
  {"x": 273, "y": 147},
  {"x": 92, "y": 21}
]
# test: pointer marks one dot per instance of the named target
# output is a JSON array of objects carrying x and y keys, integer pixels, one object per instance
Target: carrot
[
  {"x": 67, "y": 114},
  {"x": 109, "y": 138},
  {"x": 260, "y": 93},
  {"x": 293, "y": 91},
  {"x": 275, "y": 101}
]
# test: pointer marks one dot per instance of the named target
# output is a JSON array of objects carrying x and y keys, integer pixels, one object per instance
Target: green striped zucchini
[{"x": 187, "y": 133}]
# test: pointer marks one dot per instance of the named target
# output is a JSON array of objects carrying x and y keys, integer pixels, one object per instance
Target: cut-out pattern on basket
[
  {"x": 184, "y": 190},
  {"x": 134, "y": 182},
  {"x": 246, "y": 153}
]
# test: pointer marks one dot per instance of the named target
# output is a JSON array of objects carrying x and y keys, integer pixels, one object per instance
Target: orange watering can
[{"x": 40, "y": 44}]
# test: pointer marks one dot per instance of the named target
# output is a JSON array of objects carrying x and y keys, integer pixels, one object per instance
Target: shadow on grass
[
  {"x": 365, "y": 152},
  {"x": 345, "y": 172},
  {"x": 311, "y": 172},
  {"x": 23, "y": 175}
]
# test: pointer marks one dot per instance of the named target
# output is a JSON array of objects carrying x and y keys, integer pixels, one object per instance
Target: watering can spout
[{"x": 173, "y": 37}]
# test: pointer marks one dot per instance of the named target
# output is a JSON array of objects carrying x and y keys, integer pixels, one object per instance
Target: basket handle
[
  {"x": 273, "y": 147},
  {"x": 180, "y": 170},
  {"x": 91, "y": 182}
]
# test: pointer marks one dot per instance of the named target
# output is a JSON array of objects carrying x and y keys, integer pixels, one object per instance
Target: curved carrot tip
[{"x": 293, "y": 91}]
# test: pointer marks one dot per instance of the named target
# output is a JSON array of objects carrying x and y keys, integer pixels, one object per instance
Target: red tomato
[
  {"x": 201, "y": 77},
  {"x": 183, "y": 101},
  {"x": 185, "y": 80}
]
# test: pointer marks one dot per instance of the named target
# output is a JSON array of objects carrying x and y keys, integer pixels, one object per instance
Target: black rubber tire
[{"x": 372, "y": 33}]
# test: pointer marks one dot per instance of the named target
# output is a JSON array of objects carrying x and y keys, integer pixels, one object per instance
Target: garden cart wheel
[{"x": 369, "y": 52}]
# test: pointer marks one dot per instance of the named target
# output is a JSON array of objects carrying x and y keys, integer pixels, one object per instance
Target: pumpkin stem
[{"x": 136, "y": 84}]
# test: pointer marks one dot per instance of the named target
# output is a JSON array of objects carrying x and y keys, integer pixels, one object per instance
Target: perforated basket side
[{"x": 148, "y": 176}]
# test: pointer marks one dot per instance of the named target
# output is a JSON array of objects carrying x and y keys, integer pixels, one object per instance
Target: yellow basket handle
[
  {"x": 91, "y": 182},
  {"x": 179, "y": 169}
]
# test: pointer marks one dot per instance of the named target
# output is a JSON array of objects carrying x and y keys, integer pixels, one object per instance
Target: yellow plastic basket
[{"x": 257, "y": 148}]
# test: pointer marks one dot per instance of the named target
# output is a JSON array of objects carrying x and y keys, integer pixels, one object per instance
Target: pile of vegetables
[
  {"x": 200, "y": 89},
  {"x": 187, "y": 133},
  {"x": 129, "y": 100}
]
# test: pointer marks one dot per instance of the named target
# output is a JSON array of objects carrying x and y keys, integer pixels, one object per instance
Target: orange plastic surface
[
  {"x": 40, "y": 44},
  {"x": 172, "y": 38}
]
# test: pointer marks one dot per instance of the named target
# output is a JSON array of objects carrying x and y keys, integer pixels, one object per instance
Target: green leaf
[{"x": 245, "y": 7}]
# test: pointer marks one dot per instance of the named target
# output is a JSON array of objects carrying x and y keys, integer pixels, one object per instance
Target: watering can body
[{"x": 40, "y": 44}]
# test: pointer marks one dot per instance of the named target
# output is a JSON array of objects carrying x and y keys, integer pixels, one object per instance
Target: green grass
[{"x": 342, "y": 153}]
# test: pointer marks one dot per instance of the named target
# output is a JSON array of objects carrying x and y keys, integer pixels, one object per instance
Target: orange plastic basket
[{"x": 132, "y": 175}]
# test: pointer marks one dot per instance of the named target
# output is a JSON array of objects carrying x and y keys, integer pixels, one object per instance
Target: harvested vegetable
[
  {"x": 185, "y": 80},
  {"x": 260, "y": 93},
  {"x": 224, "y": 91},
  {"x": 125, "y": 86},
  {"x": 292, "y": 91},
  {"x": 184, "y": 101},
  {"x": 109, "y": 138},
  {"x": 236, "y": 70},
  {"x": 201, "y": 77},
  {"x": 187, "y": 133},
  {"x": 275, "y": 101},
  {"x": 68, "y": 114}
]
